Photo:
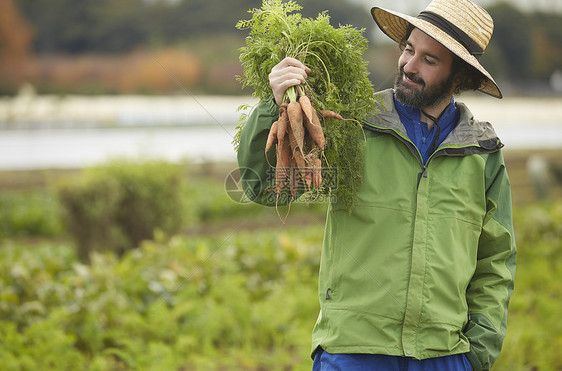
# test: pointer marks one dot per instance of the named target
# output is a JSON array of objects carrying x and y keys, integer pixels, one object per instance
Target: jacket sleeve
[
  {"x": 257, "y": 171},
  {"x": 491, "y": 286}
]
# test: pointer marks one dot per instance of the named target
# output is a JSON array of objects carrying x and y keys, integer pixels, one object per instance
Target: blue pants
[{"x": 324, "y": 361}]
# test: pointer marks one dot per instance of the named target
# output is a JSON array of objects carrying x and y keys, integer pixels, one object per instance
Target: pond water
[
  {"x": 91, "y": 130},
  {"x": 75, "y": 148}
]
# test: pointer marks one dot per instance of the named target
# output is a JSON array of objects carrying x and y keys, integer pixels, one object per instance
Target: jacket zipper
[
  {"x": 423, "y": 174},
  {"x": 411, "y": 146}
]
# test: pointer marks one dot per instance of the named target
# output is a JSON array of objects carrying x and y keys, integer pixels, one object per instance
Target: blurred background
[{"x": 125, "y": 241}]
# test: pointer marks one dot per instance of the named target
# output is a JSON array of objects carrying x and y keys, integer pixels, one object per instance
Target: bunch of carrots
[
  {"x": 307, "y": 141},
  {"x": 300, "y": 142}
]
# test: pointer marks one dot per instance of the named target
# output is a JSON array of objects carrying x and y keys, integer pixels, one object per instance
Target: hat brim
[{"x": 395, "y": 25}]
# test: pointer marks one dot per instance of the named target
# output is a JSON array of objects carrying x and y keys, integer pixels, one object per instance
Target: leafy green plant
[
  {"x": 236, "y": 301},
  {"x": 195, "y": 303},
  {"x": 118, "y": 204},
  {"x": 533, "y": 328},
  {"x": 28, "y": 213},
  {"x": 338, "y": 80}
]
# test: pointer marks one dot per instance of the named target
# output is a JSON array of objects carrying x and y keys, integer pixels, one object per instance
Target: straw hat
[{"x": 460, "y": 25}]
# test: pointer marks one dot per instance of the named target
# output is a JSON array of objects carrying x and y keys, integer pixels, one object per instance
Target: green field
[{"x": 234, "y": 289}]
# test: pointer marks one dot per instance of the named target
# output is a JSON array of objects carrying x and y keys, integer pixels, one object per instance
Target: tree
[
  {"x": 15, "y": 43},
  {"x": 512, "y": 37},
  {"x": 547, "y": 45},
  {"x": 109, "y": 26},
  {"x": 86, "y": 26}
]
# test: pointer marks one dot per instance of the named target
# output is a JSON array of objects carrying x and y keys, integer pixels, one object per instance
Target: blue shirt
[{"x": 417, "y": 130}]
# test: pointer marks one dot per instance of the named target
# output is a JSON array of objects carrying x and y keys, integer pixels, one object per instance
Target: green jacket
[{"x": 423, "y": 265}]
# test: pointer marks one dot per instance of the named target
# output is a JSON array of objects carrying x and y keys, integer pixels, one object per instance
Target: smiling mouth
[
  {"x": 407, "y": 80},
  {"x": 412, "y": 80}
]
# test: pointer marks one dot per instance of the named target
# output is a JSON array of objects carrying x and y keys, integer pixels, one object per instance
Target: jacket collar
[
  {"x": 449, "y": 115},
  {"x": 469, "y": 132}
]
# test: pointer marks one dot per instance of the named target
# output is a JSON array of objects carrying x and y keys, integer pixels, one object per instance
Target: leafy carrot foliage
[{"x": 338, "y": 80}]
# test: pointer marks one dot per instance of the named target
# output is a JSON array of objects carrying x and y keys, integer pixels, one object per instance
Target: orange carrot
[
  {"x": 283, "y": 108},
  {"x": 282, "y": 124},
  {"x": 317, "y": 172},
  {"x": 306, "y": 171},
  {"x": 315, "y": 130},
  {"x": 272, "y": 136},
  {"x": 294, "y": 177},
  {"x": 306, "y": 107},
  {"x": 327, "y": 114},
  {"x": 298, "y": 157},
  {"x": 283, "y": 157},
  {"x": 294, "y": 111},
  {"x": 308, "y": 177},
  {"x": 297, "y": 151}
]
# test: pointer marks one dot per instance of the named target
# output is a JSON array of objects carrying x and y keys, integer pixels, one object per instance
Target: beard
[{"x": 422, "y": 95}]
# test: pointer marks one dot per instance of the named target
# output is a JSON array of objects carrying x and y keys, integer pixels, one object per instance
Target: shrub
[
  {"x": 192, "y": 303},
  {"x": 533, "y": 327},
  {"x": 243, "y": 300},
  {"x": 28, "y": 213},
  {"x": 116, "y": 205}
]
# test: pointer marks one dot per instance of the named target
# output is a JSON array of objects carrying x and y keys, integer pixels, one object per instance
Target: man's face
[{"x": 424, "y": 72}]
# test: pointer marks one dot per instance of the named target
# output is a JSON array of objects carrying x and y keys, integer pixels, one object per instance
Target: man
[{"x": 419, "y": 274}]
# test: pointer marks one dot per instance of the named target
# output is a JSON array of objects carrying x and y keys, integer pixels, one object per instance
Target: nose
[{"x": 409, "y": 64}]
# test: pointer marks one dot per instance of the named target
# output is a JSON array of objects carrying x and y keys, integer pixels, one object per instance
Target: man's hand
[{"x": 289, "y": 72}]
